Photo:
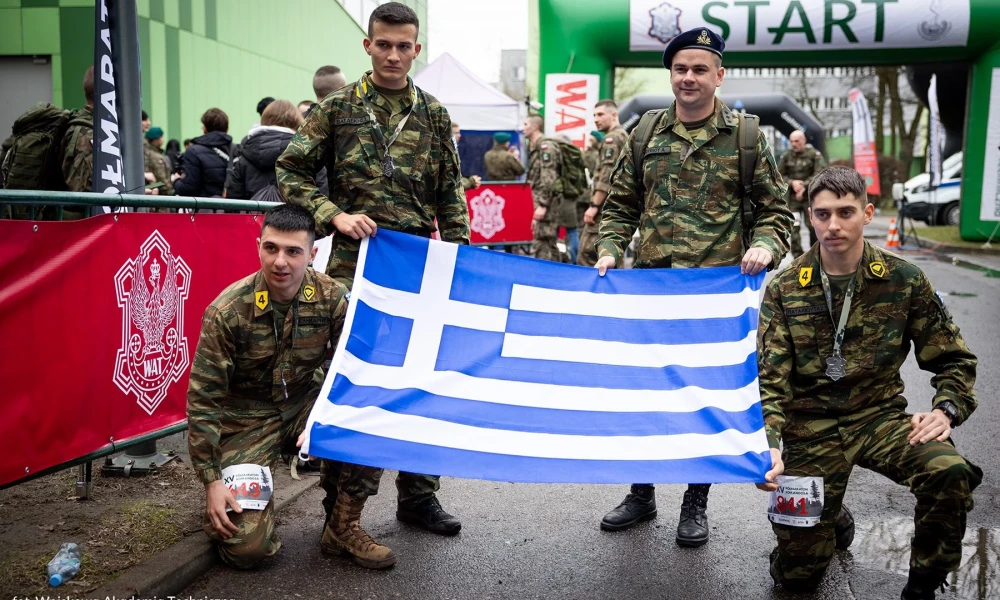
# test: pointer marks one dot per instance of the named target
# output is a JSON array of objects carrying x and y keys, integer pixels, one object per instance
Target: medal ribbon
[
  {"x": 381, "y": 142},
  {"x": 838, "y": 339}
]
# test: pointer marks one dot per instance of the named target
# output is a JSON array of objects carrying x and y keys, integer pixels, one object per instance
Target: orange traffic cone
[{"x": 892, "y": 238}]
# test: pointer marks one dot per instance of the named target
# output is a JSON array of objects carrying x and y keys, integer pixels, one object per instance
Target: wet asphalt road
[{"x": 524, "y": 541}]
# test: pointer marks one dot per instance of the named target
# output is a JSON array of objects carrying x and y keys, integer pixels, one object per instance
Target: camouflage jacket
[
  {"x": 78, "y": 153},
  {"x": 426, "y": 184},
  {"x": 590, "y": 156},
  {"x": 544, "y": 164},
  {"x": 501, "y": 165},
  {"x": 894, "y": 304},
  {"x": 239, "y": 368},
  {"x": 690, "y": 215},
  {"x": 800, "y": 165},
  {"x": 155, "y": 163},
  {"x": 614, "y": 141}
]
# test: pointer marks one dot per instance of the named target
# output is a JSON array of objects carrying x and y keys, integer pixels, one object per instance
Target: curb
[{"x": 181, "y": 564}]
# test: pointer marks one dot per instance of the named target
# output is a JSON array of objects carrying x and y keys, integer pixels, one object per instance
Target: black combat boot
[
  {"x": 692, "y": 530},
  {"x": 638, "y": 505},
  {"x": 427, "y": 514},
  {"x": 921, "y": 584},
  {"x": 843, "y": 528}
]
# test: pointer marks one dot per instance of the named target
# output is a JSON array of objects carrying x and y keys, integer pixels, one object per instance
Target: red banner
[
  {"x": 500, "y": 213},
  {"x": 100, "y": 321}
]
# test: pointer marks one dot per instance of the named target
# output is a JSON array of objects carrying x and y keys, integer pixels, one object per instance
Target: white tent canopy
[{"x": 471, "y": 102}]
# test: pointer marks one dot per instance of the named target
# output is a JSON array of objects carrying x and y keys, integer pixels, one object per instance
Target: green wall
[{"x": 196, "y": 54}]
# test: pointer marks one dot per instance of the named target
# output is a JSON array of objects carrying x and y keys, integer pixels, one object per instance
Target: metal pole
[{"x": 125, "y": 42}]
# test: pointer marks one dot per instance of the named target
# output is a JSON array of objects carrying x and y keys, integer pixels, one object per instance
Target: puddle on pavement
[{"x": 885, "y": 545}]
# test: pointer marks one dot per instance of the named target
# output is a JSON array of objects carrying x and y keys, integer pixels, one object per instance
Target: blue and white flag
[{"x": 472, "y": 363}]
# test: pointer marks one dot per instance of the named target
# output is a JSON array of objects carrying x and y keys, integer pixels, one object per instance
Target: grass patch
[
  {"x": 24, "y": 571},
  {"x": 946, "y": 234},
  {"x": 138, "y": 528}
]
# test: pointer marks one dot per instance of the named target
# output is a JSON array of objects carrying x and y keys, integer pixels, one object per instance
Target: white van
[{"x": 916, "y": 199}]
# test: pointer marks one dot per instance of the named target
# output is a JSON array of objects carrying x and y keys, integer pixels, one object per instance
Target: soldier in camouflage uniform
[
  {"x": 501, "y": 164},
  {"x": 405, "y": 190},
  {"x": 155, "y": 163},
  {"x": 615, "y": 138},
  {"x": 798, "y": 165},
  {"x": 833, "y": 413},
  {"x": 544, "y": 164},
  {"x": 255, "y": 376},
  {"x": 689, "y": 214}
]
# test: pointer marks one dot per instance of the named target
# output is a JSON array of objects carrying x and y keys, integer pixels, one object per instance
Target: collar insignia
[
  {"x": 805, "y": 276},
  {"x": 877, "y": 268},
  {"x": 260, "y": 299},
  {"x": 309, "y": 292}
]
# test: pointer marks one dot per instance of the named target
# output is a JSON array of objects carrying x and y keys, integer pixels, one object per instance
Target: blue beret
[
  {"x": 501, "y": 137},
  {"x": 154, "y": 133},
  {"x": 701, "y": 38}
]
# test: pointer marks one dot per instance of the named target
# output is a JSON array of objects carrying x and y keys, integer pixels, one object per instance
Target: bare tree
[{"x": 627, "y": 84}]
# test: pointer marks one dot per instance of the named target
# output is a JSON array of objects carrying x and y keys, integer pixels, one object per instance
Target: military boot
[
  {"x": 343, "y": 535},
  {"x": 639, "y": 505},
  {"x": 843, "y": 528},
  {"x": 692, "y": 530},
  {"x": 428, "y": 515},
  {"x": 922, "y": 585}
]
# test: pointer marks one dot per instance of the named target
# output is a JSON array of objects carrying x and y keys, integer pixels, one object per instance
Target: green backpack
[
  {"x": 32, "y": 155},
  {"x": 573, "y": 174}
]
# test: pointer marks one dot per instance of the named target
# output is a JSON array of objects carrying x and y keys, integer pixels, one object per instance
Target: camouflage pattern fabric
[
  {"x": 78, "y": 153},
  {"x": 590, "y": 156},
  {"x": 544, "y": 161},
  {"x": 690, "y": 216},
  {"x": 804, "y": 165},
  {"x": 425, "y": 185},
  {"x": 237, "y": 408},
  {"x": 155, "y": 163},
  {"x": 501, "y": 165},
  {"x": 609, "y": 151},
  {"x": 829, "y": 427}
]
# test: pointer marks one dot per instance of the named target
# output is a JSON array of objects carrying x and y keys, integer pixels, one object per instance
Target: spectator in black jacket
[
  {"x": 253, "y": 170},
  {"x": 207, "y": 160}
]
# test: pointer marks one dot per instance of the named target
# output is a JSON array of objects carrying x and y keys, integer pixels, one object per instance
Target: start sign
[{"x": 788, "y": 25}]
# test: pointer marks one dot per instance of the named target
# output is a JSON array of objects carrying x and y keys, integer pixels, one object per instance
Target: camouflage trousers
[
  {"x": 360, "y": 482},
  {"x": 257, "y": 434},
  {"x": 802, "y": 210},
  {"x": 936, "y": 474},
  {"x": 587, "y": 256},
  {"x": 543, "y": 245}
]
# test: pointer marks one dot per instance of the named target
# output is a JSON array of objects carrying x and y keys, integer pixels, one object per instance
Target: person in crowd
[
  {"x": 305, "y": 106},
  {"x": 207, "y": 160},
  {"x": 473, "y": 181},
  {"x": 261, "y": 106},
  {"x": 610, "y": 138},
  {"x": 187, "y": 144},
  {"x": 592, "y": 151},
  {"x": 684, "y": 195},
  {"x": 78, "y": 145},
  {"x": 835, "y": 329},
  {"x": 254, "y": 169},
  {"x": 798, "y": 165},
  {"x": 173, "y": 155},
  {"x": 157, "y": 168},
  {"x": 327, "y": 80},
  {"x": 389, "y": 144},
  {"x": 544, "y": 165},
  {"x": 501, "y": 164},
  {"x": 146, "y": 122},
  {"x": 239, "y": 411}
]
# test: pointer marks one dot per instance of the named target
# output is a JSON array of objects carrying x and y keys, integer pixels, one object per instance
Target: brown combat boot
[{"x": 344, "y": 535}]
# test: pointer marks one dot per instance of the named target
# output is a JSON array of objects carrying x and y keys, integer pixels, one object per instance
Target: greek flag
[{"x": 473, "y": 363}]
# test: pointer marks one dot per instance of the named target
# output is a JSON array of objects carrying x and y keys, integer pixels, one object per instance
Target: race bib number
[
  {"x": 251, "y": 485},
  {"x": 797, "y": 502}
]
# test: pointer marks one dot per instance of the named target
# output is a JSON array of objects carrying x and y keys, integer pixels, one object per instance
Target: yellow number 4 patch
[
  {"x": 805, "y": 276},
  {"x": 260, "y": 299}
]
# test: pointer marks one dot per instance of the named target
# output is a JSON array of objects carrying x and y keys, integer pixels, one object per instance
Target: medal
[
  {"x": 836, "y": 367},
  {"x": 388, "y": 166},
  {"x": 383, "y": 144}
]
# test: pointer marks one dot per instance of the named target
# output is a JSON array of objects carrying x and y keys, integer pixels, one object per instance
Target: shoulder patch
[
  {"x": 545, "y": 147},
  {"x": 805, "y": 276}
]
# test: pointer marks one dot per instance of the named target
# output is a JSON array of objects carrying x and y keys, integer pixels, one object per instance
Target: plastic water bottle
[{"x": 65, "y": 565}]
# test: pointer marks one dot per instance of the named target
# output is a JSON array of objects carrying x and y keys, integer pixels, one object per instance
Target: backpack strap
[
  {"x": 643, "y": 134},
  {"x": 748, "y": 128}
]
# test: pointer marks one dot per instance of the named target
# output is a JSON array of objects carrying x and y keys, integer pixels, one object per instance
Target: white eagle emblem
[
  {"x": 151, "y": 289},
  {"x": 666, "y": 22},
  {"x": 487, "y": 213}
]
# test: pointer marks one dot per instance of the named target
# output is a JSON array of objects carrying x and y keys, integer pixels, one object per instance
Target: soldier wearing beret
[
  {"x": 501, "y": 164},
  {"x": 835, "y": 328},
  {"x": 689, "y": 214},
  {"x": 157, "y": 169}
]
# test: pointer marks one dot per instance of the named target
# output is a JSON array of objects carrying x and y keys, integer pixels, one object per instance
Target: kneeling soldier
[
  {"x": 835, "y": 327},
  {"x": 256, "y": 373}
]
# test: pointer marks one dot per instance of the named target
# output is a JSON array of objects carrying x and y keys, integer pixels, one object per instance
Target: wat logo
[
  {"x": 666, "y": 22},
  {"x": 151, "y": 290},
  {"x": 487, "y": 214}
]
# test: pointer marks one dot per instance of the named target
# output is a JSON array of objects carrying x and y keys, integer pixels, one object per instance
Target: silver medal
[
  {"x": 836, "y": 367},
  {"x": 388, "y": 166}
]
